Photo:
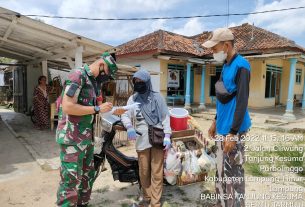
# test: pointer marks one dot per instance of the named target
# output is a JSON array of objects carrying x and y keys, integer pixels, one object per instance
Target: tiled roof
[
  {"x": 248, "y": 39},
  {"x": 252, "y": 39},
  {"x": 160, "y": 41}
]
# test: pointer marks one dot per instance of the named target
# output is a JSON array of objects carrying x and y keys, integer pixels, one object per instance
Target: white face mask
[{"x": 220, "y": 56}]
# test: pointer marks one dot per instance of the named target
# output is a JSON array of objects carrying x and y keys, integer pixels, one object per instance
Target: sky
[{"x": 290, "y": 24}]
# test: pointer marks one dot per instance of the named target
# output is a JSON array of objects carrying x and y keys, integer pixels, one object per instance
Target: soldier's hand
[
  {"x": 105, "y": 107},
  {"x": 212, "y": 130},
  {"x": 119, "y": 111},
  {"x": 229, "y": 143}
]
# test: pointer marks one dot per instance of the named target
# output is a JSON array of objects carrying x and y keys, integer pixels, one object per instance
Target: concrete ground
[{"x": 29, "y": 165}]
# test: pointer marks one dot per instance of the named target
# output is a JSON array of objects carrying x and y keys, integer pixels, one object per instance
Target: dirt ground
[
  {"x": 24, "y": 183},
  {"x": 38, "y": 187}
]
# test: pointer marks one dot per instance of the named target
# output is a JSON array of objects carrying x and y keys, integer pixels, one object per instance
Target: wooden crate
[
  {"x": 198, "y": 145},
  {"x": 183, "y": 133}
]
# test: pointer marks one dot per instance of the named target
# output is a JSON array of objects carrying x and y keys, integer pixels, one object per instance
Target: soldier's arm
[
  {"x": 71, "y": 107},
  {"x": 74, "y": 85}
]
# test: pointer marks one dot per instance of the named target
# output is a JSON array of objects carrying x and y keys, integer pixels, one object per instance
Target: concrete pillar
[
  {"x": 188, "y": 86},
  {"x": 303, "y": 97},
  {"x": 289, "y": 107},
  {"x": 202, "y": 95},
  {"x": 79, "y": 57},
  {"x": 45, "y": 69}
]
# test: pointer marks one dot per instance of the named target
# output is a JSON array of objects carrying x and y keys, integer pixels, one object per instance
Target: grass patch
[
  {"x": 254, "y": 170},
  {"x": 300, "y": 183},
  {"x": 300, "y": 142},
  {"x": 293, "y": 163},
  {"x": 291, "y": 154}
]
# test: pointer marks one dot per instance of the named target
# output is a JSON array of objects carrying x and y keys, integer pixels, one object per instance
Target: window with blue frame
[
  {"x": 298, "y": 76},
  {"x": 214, "y": 78},
  {"x": 272, "y": 74}
]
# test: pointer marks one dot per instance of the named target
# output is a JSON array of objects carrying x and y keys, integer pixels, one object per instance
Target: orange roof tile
[
  {"x": 248, "y": 40},
  {"x": 162, "y": 41}
]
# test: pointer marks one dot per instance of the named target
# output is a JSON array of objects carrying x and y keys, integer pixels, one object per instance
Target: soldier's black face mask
[
  {"x": 102, "y": 77},
  {"x": 140, "y": 87}
]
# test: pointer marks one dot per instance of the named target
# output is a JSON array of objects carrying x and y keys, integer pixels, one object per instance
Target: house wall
[
  {"x": 164, "y": 73},
  {"x": 258, "y": 82},
  {"x": 257, "y": 86},
  {"x": 207, "y": 84},
  {"x": 298, "y": 88},
  {"x": 147, "y": 62}
]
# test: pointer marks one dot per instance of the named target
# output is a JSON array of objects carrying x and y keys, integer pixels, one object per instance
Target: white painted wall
[{"x": 146, "y": 62}]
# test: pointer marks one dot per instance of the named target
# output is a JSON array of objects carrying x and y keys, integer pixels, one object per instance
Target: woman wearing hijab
[
  {"x": 152, "y": 111},
  {"x": 41, "y": 104}
]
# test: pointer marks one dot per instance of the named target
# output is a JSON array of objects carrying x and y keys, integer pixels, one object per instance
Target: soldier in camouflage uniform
[
  {"x": 232, "y": 119},
  {"x": 78, "y": 105}
]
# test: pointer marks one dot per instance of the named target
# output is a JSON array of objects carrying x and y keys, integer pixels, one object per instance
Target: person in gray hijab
[{"x": 151, "y": 111}]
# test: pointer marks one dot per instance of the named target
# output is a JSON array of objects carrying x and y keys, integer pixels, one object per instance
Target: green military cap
[{"x": 109, "y": 60}]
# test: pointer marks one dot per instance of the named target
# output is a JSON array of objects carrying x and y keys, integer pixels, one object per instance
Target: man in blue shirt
[{"x": 232, "y": 119}]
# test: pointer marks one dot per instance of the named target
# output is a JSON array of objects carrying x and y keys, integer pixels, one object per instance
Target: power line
[{"x": 154, "y": 18}]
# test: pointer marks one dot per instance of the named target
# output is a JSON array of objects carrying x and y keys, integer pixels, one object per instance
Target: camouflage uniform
[
  {"x": 74, "y": 135},
  {"x": 230, "y": 166}
]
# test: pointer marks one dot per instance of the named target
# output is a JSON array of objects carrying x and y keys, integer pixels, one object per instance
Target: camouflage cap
[{"x": 109, "y": 60}]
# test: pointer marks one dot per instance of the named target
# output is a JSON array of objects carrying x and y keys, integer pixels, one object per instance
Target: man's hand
[
  {"x": 105, "y": 107},
  {"x": 119, "y": 111},
  {"x": 229, "y": 143},
  {"x": 212, "y": 130}
]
